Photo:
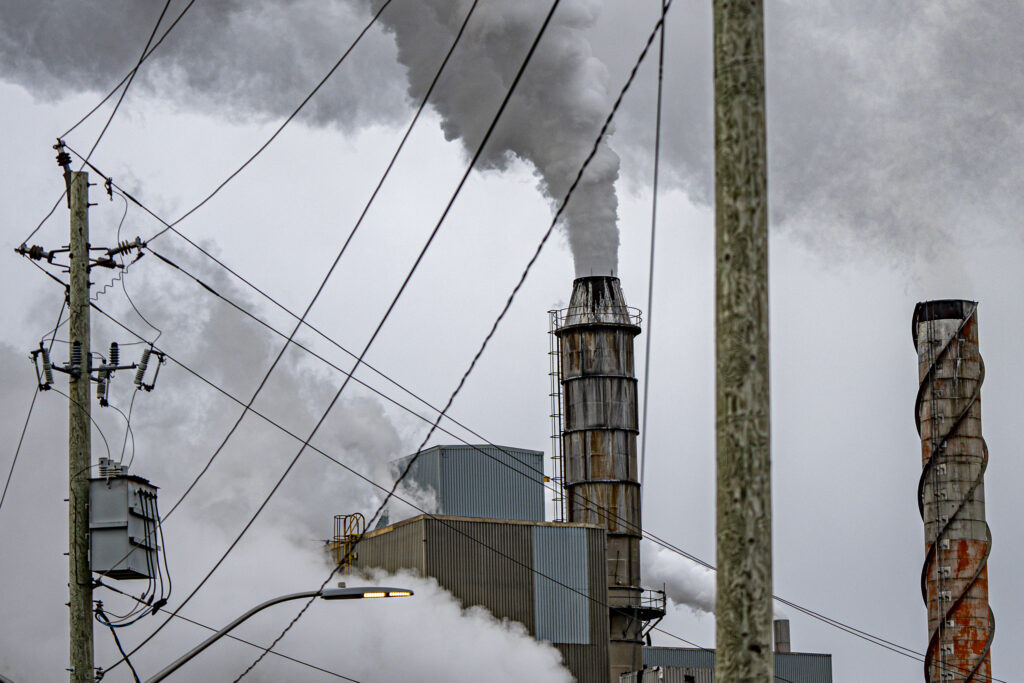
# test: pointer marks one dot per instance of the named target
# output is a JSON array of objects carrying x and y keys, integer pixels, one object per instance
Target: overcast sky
[{"x": 895, "y": 139}]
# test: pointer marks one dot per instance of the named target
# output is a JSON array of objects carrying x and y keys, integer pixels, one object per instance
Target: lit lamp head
[{"x": 360, "y": 592}]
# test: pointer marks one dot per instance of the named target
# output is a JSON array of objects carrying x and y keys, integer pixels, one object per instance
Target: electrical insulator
[
  {"x": 76, "y": 357},
  {"x": 101, "y": 389},
  {"x": 143, "y": 363},
  {"x": 47, "y": 366},
  {"x": 115, "y": 354}
]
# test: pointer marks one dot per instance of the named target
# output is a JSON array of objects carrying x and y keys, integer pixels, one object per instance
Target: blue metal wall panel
[
  {"x": 561, "y": 615},
  {"x": 492, "y": 482}
]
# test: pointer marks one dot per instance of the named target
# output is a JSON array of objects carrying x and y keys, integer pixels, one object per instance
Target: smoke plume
[{"x": 554, "y": 116}]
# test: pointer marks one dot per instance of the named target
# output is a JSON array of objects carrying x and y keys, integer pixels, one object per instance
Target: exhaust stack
[
  {"x": 595, "y": 336},
  {"x": 951, "y": 493}
]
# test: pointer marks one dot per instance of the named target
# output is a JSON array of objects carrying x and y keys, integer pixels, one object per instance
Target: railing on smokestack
[{"x": 555, "y": 375}]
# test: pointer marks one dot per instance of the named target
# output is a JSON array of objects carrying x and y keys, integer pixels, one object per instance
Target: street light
[{"x": 353, "y": 593}]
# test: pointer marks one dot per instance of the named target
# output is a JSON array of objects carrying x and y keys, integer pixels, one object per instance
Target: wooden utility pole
[
  {"x": 79, "y": 436},
  {"x": 743, "y": 607}
]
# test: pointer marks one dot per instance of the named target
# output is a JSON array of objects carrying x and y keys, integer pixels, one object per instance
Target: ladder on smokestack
[{"x": 557, "y": 459}]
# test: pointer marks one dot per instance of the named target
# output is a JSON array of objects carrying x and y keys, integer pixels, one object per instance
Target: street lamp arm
[
  {"x": 176, "y": 664},
  {"x": 340, "y": 593}
]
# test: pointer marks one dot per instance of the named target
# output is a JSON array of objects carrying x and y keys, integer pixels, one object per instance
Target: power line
[
  {"x": 277, "y": 653},
  {"x": 515, "y": 290},
  {"x": 380, "y": 325},
  {"x": 654, "y": 223},
  {"x": 650, "y": 536},
  {"x": 128, "y": 76},
  {"x": 837, "y": 624},
  {"x": 31, "y": 406},
  {"x": 131, "y": 74},
  {"x": 128, "y": 84}
]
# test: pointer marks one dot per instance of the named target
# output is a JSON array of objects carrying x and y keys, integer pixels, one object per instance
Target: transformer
[{"x": 123, "y": 521}]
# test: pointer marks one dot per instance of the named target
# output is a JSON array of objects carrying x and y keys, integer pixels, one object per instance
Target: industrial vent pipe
[{"x": 951, "y": 494}]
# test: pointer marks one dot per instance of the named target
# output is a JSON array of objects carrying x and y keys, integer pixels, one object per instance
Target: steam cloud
[
  {"x": 685, "y": 583},
  {"x": 176, "y": 428}
]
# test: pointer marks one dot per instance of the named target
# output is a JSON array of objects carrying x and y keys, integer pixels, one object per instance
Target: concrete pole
[
  {"x": 79, "y": 436},
  {"x": 744, "y": 550}
]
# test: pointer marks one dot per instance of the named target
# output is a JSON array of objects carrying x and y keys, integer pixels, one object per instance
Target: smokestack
[
  {"x": 599, "y": 445},
  {"x": 780, "y": 627},
  {"x": 951, "y": 495}
]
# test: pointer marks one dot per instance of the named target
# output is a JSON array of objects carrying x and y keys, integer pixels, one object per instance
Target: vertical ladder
[{"x": 557, "y": 460}]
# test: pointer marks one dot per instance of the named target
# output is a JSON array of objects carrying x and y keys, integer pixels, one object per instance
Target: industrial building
[{"x": 574, "y": 582}]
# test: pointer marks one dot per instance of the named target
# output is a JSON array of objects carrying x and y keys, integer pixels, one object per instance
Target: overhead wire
[
  {"x": 131, "y": 73},
  {"x": 31, "y": 407},
  {"x": 650, "y": 536},
  {"x": 252, "y": 157},
  {"x": 324, "y": 281},
  {"x": 127, "y": 76},
  {"x": 128, "y": 84},
  {"x": 100, "y": 584},
  {"x": 654, "y": 224},
  {"x": 356, "y": 473},
  {"x": 508, "y": 304},
  {"x": 170, "y": 226}
]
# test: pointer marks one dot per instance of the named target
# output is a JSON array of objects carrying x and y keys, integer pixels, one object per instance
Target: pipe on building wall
[{"x": 951, "y": 495}]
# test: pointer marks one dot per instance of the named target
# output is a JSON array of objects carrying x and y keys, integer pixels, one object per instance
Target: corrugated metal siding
[
  {"x": 481, "y": 481},
  {"x": 679, "y": 656},
  {"x": 562, "y": 616},
  {"x": 669, "y": 674},
  {"x": 398, "y": 547},
  {"x": 480, "y": 575},
  {"x": 480, "y": 571},
  {"x": 804, "y": 668},
  {"x": 798, "y": 667}
]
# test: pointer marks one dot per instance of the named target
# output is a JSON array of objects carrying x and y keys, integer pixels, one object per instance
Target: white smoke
[
  {"x": 176, "y": 428},
  {"x": 686, "y": 583}
]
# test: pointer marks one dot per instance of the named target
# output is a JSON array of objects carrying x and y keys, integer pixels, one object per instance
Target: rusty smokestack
[
  {"x": 951, "y": 494},
  {"x": 595, "y": 337}
]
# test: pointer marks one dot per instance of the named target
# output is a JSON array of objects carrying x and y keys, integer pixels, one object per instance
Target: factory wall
[
  {"x": 549, "y": 577},
  {"x": 492, "y": 482},
  {"x": 678, "y": 662}
]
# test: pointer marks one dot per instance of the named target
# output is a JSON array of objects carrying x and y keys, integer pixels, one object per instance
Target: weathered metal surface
[
  {"x": 669, "y": 674},
  {"x": 496, "y": 564},
  {"x": 743, "y": 503},
  {"x": 598, "y": 299},
  {"x": 951, "y": 497},
  {"x": 780, "y": 630},
  {"x": 678, "y": 662},
  {"x": 600, "y": 425}
]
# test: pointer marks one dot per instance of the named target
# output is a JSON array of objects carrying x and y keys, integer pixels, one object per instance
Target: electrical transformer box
[{"x": 123, "y": 519}]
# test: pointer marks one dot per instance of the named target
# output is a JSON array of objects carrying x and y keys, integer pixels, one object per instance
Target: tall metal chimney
[
  {"x": 599, "y": 446},
  {"x": 951, "y": 494}
]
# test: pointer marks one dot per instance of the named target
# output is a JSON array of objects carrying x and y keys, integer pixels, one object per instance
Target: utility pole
[
  {"x": 79, "y": 436},
  {"x": 743, "y": 608}
]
